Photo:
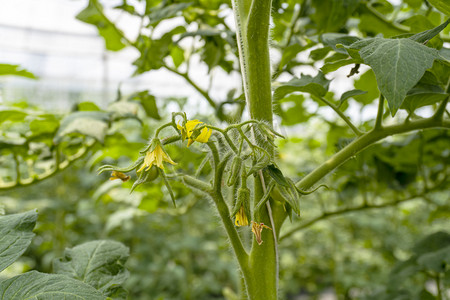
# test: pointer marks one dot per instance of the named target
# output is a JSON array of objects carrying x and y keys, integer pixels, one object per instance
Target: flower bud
[
  {"x": 241, "y": 210},
  {"x": 235, "y": 171}
]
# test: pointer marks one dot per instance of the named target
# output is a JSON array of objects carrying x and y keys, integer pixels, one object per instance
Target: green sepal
[
  {"x": 263, "y": 201},
  {"x": 277, "y": 175},
  {"x": 260, "y": 163},
  {"x": 151, "y": 146},
  {"x": 131, "y": 167},
  {"x": 288, "y": 194},
  {"x": 141, "y": 179},
  {"x": 288, "y": 210},
  {"x": 242, "y": 199}
]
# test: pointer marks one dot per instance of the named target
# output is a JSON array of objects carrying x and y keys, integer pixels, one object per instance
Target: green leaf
[
  {"x": 93, "y": 14},
  {"x": 291, "y": 110},
  {"x": 277, "y": 175},
  {"x": 177, "y": 55},
  {"x": 166, "y": 12},
  {"x": 44, "y": 124},
  {"x": 148, "y": 102},
  {"x": 317, "y": 86},
  {"x": 87, "y": 106},
  {"x": 89, "y": 123},
  {"x": 153, "y": 51},
  {"x": 15, "y": 236},
  {"x": 203, "y": 32},
  {"x": 38, "y": 286},
  {"x": 416, "y": 4},
  {"x": 331, "y": 15},
  {"x": 15, "y": 70},
  {"x": 12, "y": 115},
  {"x": 445, "y": 53},
  {"x": 403, "y": 270},
  {"x": 367, "y": 82},
  {"x": 350, "y": 94},
  {"x": 97, "y": 263},
  {"x": 432, "y": 242},
  {"x": 435, "y": 261},
  {"x": 335, "y": 65},
  {"x": 398, "y": 65},
  {"x": 441, "y": 5},
  {"x": 333, "y": 39},
  {"x": 423, "y": 95},
  {"x": 427, "y": 35},
  {"x": 320, "y": 53},
  {"x": 373, "y": 25},
  {"x": 290, "y": 53}
]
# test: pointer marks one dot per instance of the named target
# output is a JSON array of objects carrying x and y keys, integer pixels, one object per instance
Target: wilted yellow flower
[
  {"x": 119, "y": 175},
  {"x": 257, "y": 229},
  {"x": 155, "y": 156},
  {"x": 188, "y": 129},
  {"x": 241, "y": 217}
]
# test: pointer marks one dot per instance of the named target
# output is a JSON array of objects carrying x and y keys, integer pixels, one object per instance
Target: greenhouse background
[
  {"x": 76, "y": 143},
  {"x": 70, "y": 59}
]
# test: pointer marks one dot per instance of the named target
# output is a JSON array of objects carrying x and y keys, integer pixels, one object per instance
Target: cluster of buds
[
  {"x": 241, "y": 211},
  {"x": 150, "y": 164}
]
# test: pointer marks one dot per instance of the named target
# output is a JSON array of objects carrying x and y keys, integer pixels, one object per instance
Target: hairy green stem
[
  {"x": 363, "y": 142},
  {"x": 252, "y": 23},
  {"x": 257, "y": 61},
  {"x": 327, "y": 215},
  {"x": 379, "y": 120},
  {"x": 342, "y": 115},
  {"x": 59, "y": 166},
  {"x": 194, "y": 85},
  {"x": 224, "y": 212}
]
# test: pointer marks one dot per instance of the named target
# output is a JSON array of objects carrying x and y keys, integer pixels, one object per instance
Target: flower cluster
[
  {"x": 151, "y": 164},
  {"x": 190, "y": 132},
  {"x": 155, "y": 156}
]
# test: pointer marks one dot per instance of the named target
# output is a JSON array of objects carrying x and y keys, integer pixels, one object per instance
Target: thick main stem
[
  {"x": 252, "y": 20},
  {"x": 257, "y": 60}
]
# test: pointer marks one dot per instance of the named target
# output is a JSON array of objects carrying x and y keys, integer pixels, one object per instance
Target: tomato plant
[{"x": 256, "y": 176}]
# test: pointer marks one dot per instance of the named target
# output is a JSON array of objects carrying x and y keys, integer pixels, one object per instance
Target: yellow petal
[
  {"x": 158, "y": 153},
  {"x": 204, "y": 135},
  {"x": 141, "y": 168},
  {"x": 167, "y": 158},
  {"x": 150, "y": 161},
  {"x": 190, "y": 125},
  {"x": 241, "y": 218}
]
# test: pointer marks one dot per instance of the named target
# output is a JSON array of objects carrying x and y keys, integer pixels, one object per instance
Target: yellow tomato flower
[
  {"x": 119, "y": 175},
  {"x": 241, "y": 217},
  {"x": 155, "y": 156},
  {"x": 188, "y": 129},
  {"x": 257, "y": 229}
]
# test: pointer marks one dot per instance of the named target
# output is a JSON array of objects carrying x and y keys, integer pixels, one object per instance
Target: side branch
[
  {"x": 194, "y": 85},
  {"x": 327, "y": 215},
  {"x": 343, "y": 117},
  {"x": 222, "y": 208},
  {"x": 378, "y": 122},
  {"x": 363, "y": 142},
  {"x": 59, "y": 166}
]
